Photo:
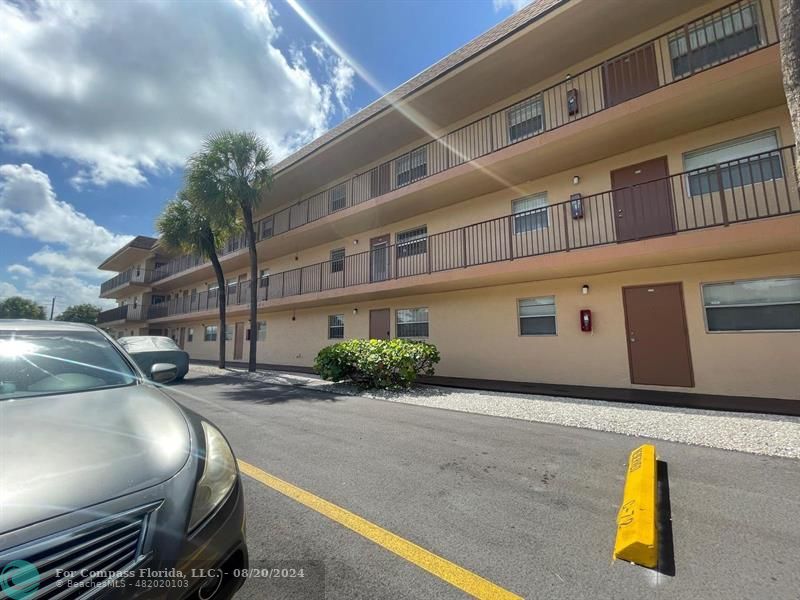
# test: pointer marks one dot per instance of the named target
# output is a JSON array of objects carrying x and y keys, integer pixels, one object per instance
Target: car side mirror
[{"x": 163, "y": 372}]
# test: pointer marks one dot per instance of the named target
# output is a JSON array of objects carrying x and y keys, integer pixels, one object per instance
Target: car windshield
[
  {"x": 35, "y": 363},
  {"x": 147, "y": 343}
]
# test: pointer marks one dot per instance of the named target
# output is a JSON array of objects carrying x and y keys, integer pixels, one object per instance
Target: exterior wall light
[
  {"x": 355, "y": 311},
  {"x": 576, "y": 179},
  {"x": 585, "y": 290}
]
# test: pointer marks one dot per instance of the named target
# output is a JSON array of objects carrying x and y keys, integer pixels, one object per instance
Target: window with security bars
[
  {"x": 412, "y": 242},
  {"x": 537, "y": 316},
  {"x": 337, "y": 198},
  {"x": 754, "y": 305},
  {"x": 336, "y": 326},
  {"x": 337, "y": 260},
  {"x": 411, "y": 322},
  {"x": 530, "y": 213},
  {"x": 713, "y": 39},
  {"x": 412, "y": 166},
  {"x": 525, "y": 119},
  {"x": 266, "y": 228},
  {"x": 735, "y": 163}
]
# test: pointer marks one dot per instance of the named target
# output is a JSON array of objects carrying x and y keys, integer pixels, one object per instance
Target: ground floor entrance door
[
  {"x": 238, "y": 341},
  {"x": 658, "y": 339},
  {"x": 642, "y": 200},
  {"x": 182, "y": 338},
  {"x": 380, "y": 325}
]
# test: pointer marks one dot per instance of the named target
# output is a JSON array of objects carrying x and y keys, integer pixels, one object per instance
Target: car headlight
[{"x": 219, "y": 476}]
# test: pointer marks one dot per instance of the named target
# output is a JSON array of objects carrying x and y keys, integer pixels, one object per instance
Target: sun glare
[{"x": 15, "y": 348}]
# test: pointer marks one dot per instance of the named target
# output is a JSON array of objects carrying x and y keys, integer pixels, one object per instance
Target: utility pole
[{"x": 52, "y": 307}]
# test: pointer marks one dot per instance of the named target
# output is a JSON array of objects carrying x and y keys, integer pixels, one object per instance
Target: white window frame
[
  {"x": 724, "y": 153},
  {"x": 332, "y": 324},
  {"x": 189, "y": 334},
  {"x": 541, "y": 207},
  {"x": 707, "y": 306},
  {"x": 554, "y": 316},
  {"x": 397, "y": 323},
  {"x": 210, "y": 333},
  {"x": 337, "y": 264},
  {"x": 416, "y": 159},
  {"x": 337, "y": 198},
  {"x": 412, "y": 242},
  {"x": 719, "y": 26},
  {"x": 527, "y": 110}
]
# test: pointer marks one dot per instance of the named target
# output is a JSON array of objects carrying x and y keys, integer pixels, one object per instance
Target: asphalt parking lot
[{"x": 527, "y": 508}]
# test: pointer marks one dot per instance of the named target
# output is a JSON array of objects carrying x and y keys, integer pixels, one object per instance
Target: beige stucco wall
[{"x": 477, "y": 332}]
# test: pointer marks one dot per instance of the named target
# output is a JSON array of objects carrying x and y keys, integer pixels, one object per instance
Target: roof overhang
[
  {"x": 532, "y": 50},
  {"x": 138, "y": 249}
]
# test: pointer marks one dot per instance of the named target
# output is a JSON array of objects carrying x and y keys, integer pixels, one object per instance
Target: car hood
[{"x": 65, "y": 452}]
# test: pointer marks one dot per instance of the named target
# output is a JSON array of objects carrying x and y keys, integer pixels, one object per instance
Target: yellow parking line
[{"x": 451, "y": 573}]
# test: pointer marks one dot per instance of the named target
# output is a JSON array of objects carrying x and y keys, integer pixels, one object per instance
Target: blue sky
[{"x": 101, "y": 102}]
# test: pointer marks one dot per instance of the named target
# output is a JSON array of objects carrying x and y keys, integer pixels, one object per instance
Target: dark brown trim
[{"x": 746, "y": 404}]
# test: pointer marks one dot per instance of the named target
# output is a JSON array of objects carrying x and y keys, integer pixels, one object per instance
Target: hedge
[{"x": 377, "y": 364}]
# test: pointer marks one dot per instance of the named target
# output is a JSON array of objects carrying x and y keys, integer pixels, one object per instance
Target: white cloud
[
  {"x": 29, "y": 208},
  {"x": 74, "y": 243},
  {"x": 514, "y": 5},
  {"x": 17, "y": 270},
  {"x": 127, "y": 89},
  {"x": 7, "y": 289}
]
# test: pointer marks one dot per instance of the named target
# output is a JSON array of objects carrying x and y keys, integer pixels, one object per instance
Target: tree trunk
[
  {"x": 247, "y": 212},
  {"x": 222, "y": 294},
  {"x": 789, "y": 32}
]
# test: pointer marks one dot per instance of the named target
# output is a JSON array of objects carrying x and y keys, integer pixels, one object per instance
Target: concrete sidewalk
[{"x": 763, "y": 434}]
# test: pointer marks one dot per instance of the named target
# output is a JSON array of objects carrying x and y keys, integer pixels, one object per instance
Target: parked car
[
  {"x": 148, "y": 350},
  {"x": 106, "y": 480}
]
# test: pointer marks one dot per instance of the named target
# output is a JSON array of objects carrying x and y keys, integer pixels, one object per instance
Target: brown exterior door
[
  {"x": 380, "y": 325},
  {"x": 379, "y": 258},
  {"x": 658, "y": 340},
  {"x": 630, "y": 75},
  {"x": 642, "y": 200},
  {"x": 182, "y": 338},
  {"x": 238, "y": 341}
]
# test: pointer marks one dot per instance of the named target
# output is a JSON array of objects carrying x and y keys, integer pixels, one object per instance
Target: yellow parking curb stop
[{"x": 636, "y": 521}]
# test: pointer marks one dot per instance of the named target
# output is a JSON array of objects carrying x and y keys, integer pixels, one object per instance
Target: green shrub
[{"x": 381, "y": 364}]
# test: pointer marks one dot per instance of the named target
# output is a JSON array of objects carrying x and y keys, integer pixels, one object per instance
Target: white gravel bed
[{"x": 755, "y": 433}]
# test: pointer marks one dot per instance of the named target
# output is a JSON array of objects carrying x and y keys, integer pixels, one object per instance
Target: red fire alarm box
[{"x": 586, "y": 320}]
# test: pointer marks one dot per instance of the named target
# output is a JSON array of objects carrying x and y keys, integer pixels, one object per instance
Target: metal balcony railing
[
  {"x": 716, "y": 38},
  {"x": 132, "y": 275},
  {"x": 123, "y": 313},
  {"x": 755, "y": 187}
]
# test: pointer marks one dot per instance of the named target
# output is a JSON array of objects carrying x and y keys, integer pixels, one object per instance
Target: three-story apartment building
[{"x": 592, "y": 194}]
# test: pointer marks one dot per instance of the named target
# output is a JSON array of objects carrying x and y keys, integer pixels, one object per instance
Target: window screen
[
  {"x": 337, "y": 198},
  {"x": 714, "y": 39},
  {"x": 537, "y": 316},
  {"x": 735, "y": 163},
  {"x": 530, "y": 213},
  {"x": 336, "y": 326},
  {"x": 525, "y": 119},
  {"x": 337, "y": 260},
  {"x": 756, "y": 305},
  {"x": 412, "y": 166},
  {"x": 411, "y": 242},
  {"x": 412, "y": 322}
]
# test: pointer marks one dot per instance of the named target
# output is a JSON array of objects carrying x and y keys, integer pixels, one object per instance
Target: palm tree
[
  {"x": 789, "y": 31},
  {"x": 229, "y": 175},
  {"x": 184, "y": 228}
]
